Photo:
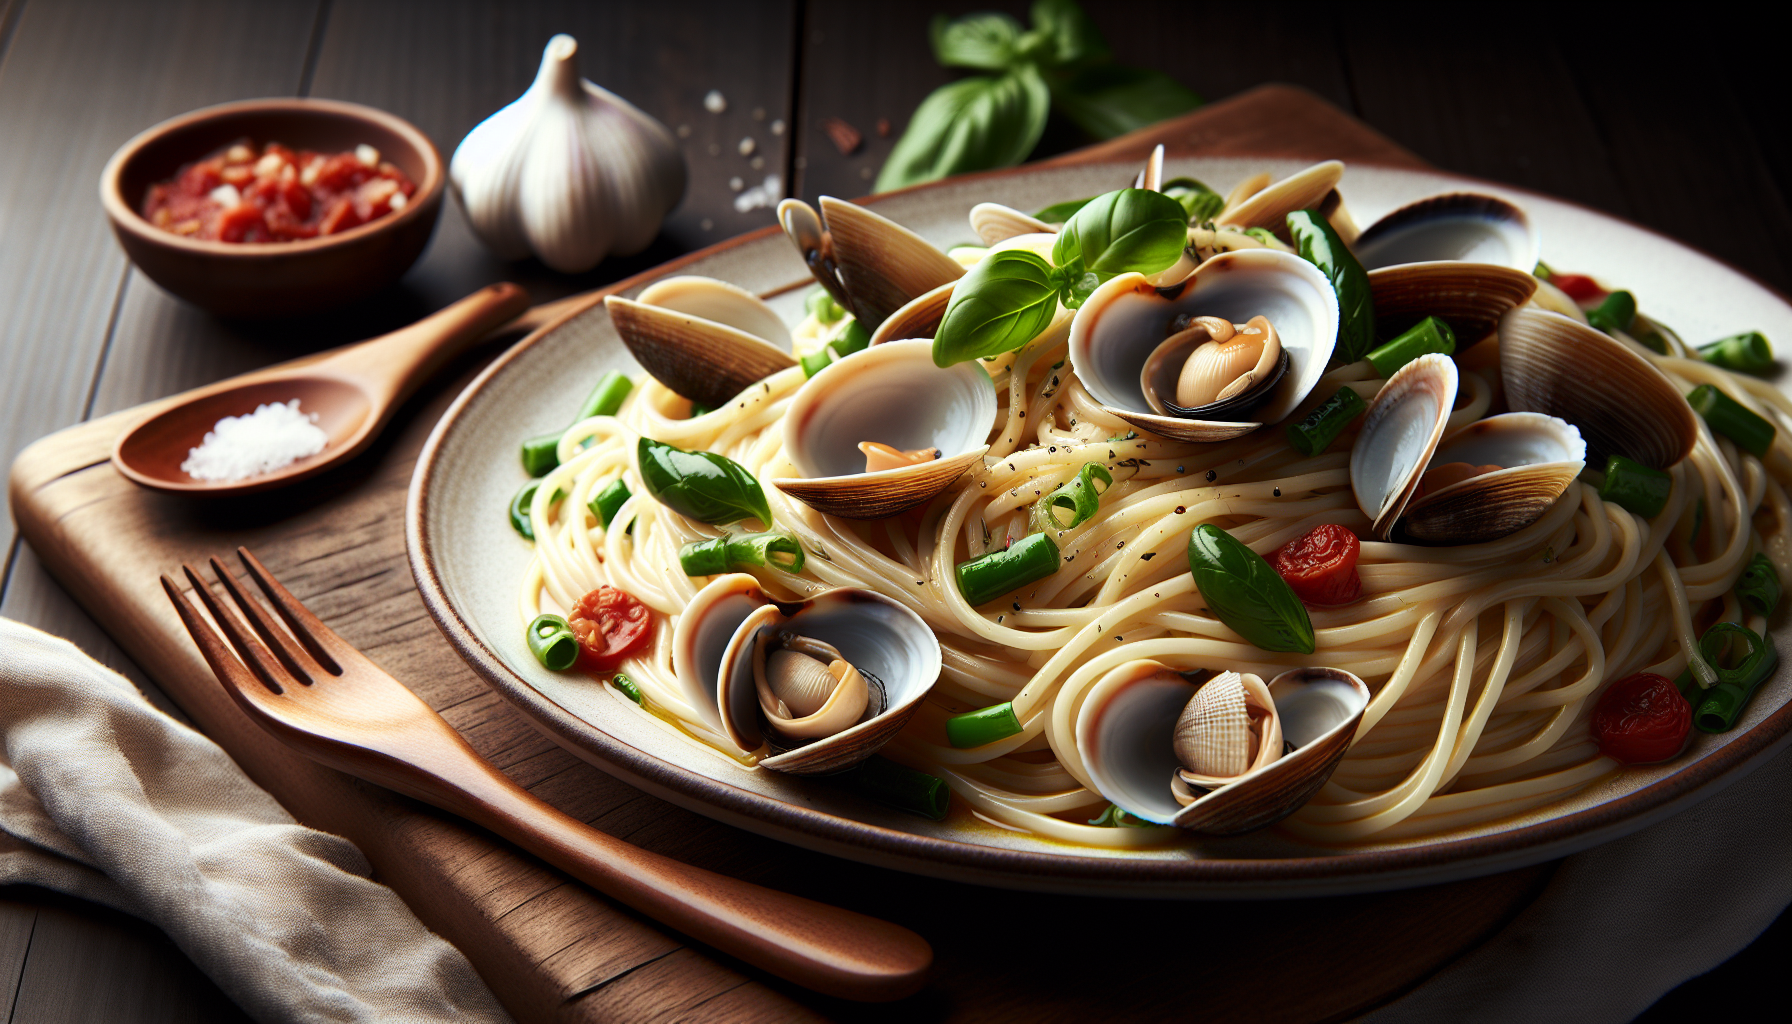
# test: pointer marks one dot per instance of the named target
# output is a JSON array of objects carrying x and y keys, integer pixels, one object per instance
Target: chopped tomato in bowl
[{"x": 277, "y": 194}]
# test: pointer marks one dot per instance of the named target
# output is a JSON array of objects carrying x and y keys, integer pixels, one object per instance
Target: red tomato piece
[
  {"x": 240, "y": 223},
  {"x": 1579, "y": 287},
  {"x": 1642, "y": 719},
  {"x": 342, "y": 172},
  {"x": 1321, "y": 566},
  {"x": 610, "y": 625}
]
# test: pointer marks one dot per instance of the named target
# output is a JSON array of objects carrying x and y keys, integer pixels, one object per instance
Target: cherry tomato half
[
  {"x": 1641, "y": 719},
  {"x": 1321, "y": 566},
  {"x": 610, "y": 625},
  {"x": 1579, "y": 287}
]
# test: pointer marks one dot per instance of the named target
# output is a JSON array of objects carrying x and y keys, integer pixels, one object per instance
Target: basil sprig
[
  {"x": 994, "y": 119},
  {"x": 1009, "y": 297},
  {"x": 1200, "y": 202},
  {"x": 704, "y": 486},
  {"x": 1320, "y": 245},
  {"x": 1245, "y": 593}
]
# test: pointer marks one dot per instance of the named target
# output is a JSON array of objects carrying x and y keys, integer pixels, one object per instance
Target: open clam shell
[
  {"x": 1400, "y": 432},
  {"x": 920, "y": 318},
  {"x": 705, "y": 339},
  {"x": 1270, "y": 207},
  {"x": 1470, "y": 297},
  {"x": 1125, "y": 320},
  {"x": 1620, "y": 402},
  {"x": 700, "y": 640},
  {"x": 994, "y": 223},
  {"x": 1539, "y": 455},
  {"x": 891, "y": 647},
  {"x": 1126, "y": 728},
  {"x": 1464, "y": 227},
  {"x": 882, "y": 265},
  {"x": 891, "y": 394}
]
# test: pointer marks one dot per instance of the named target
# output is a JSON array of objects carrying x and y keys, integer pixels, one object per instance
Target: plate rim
[{"x": 1334, "y": 873}]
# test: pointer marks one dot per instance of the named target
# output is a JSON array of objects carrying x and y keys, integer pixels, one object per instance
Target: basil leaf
[
  {"x": 1002, "y": 303},
  {"x": 1106, "y": 100},
  {"x": 1321, "y": 246},
  {"x": 985, "y": 41},
  {"x": 1202, "y": 203},
  {"x": 1058, "y": 213},
  {"x": 1072, "y": 36},
  {"x": 1246, "y": 594},
  {"x": 704, "y": 486},
  {"x": 973, "y": 124},
  {"x": 1130, "y": 229}
]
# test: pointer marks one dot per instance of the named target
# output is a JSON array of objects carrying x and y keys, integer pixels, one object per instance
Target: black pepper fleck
[
  {"x": 1178, "y": 469},
  {"x": 1017, "y": 606},
  {"x": 1147, "y": 556},
  {"x": 1278, "y": 493},
  {"x": 1212, "y": 476},
  {"x": 1180, "y": 510}
]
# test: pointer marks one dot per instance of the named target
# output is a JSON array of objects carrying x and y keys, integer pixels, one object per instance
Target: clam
[
  {"x": 1621, "y": 403},
  {"x": 1229, "y": 756},
  {"x": 705, "y": 339},
  {"x": 821, "y": 683},
  {"x": 994, "y": 223},
  {"x": 1493, "y": 478},
  {"x": 1131, "y": 342},
  {"x": 920, "y": 318},
  {"x": 1465, "y": 227},
  {"x": 1470, "y": 297},
  {"x": 869, "y": 263},
  {"x": 884, "y": 430}
]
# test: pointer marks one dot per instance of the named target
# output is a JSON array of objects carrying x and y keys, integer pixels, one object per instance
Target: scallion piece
[
  {"x": 985, "y": 725},
  {"x": 1724, "y": 700},
  {"x": 1428, "y": 335},
  {"x": 1616, "y": 313},
  {"x": 552, "y": 642},
  {"x": 699, "y": 409},
  {"x": 628, "y": 688},
  {"x": 1079, "y": 497},
  {"x": 853, "y": 338},
  {"x": 823, "y": 306},
  {"x": 719, "y": 554},
  {"x": 609, "y": 501},
  {"x": 541, "y": 454},
  {"x": 1759, "y": 586},
  {"x": 1114, "y": 817},
  {"x": 1636, "y": 487},
  {"x": 1729, "y": 418},
  {"x": 607, "y": 397},
  {"x": 901, "y": 787},
  {"x": 1028, "y": 560},
  {"x": 1747, "y": 352},
  {"x": 1323, "y": 425},
  {"x": 519, "y": 509}
]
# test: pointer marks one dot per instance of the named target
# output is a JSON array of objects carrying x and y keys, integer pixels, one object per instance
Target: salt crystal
[
  {"x": 736, "y": 184},
  {"x": 272, "y": 437},
  {"x": 778, "y": 127},
  {"x": 760, "y": 196},
  {"x": 715, "y": 102},
  {"x": 367, "y": 156},
  {"x": 747, "y": 145}
]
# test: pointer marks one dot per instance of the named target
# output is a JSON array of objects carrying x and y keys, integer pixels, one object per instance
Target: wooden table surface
[{"x": 1586, "y": 111}]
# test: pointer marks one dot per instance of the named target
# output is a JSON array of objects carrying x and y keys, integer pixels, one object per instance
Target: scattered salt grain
[
  {"x": 761, "y": 196},
  {"x": 736, "y": 184},
  {"x": 715, "y": 102},
  {"x": 367, "y": 156},
  {"x": 778, "y": 127},
  {"x": 239, "y": 447},
  {"x": 757, "y": 163},
  {"x": 747, "y": 145}
]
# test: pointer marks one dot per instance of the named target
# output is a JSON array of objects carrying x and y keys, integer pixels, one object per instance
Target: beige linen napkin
[{"x": 104, "y": 797}]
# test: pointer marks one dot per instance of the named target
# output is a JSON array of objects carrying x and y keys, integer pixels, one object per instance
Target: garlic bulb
[{"x": 569, "y": 171}]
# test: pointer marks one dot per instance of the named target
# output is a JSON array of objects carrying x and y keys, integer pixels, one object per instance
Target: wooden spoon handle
[
  {"x": 829, "y": 949},
  {"x": 392, "y": 365}
]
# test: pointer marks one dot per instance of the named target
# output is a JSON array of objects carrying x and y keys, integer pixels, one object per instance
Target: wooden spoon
[{"x": 353, "y": 391}]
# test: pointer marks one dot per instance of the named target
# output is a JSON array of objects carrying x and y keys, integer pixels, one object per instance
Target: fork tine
[
  {"x": 228, "y": 670},
  {"x": 263, "y": 624},
  {"x": 310, "y": 629},
  {"x": 252, "y": 653}
]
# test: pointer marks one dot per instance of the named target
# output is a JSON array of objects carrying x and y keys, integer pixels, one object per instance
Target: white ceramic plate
[{"x": 467, "y": 562}]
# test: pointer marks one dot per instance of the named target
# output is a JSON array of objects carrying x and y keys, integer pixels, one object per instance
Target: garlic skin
[{"x": 569, "y": 171}]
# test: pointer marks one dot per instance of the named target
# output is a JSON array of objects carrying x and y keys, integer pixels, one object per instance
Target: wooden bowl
[{"x": 274, "y": 278}]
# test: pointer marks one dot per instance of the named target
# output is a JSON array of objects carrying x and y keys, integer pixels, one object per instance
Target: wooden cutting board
[{"x": 552, "y": 949}]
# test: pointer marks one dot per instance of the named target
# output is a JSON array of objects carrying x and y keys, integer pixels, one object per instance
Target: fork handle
[{"x": 826, "y": 948}]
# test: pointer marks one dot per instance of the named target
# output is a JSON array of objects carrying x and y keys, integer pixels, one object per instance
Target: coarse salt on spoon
[{"x": 352, "y": 391}]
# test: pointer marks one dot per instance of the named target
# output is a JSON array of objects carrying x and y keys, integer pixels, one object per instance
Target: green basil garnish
[
  {"x": 704, "y": 486},
  {"x": 1320, "y": 245},
  {"x": 1058, "y": 213},
  {"x": 1201, "y": 203},
  {"x": 1002, "y": 303},
  {"x": 970, "y": 125},
  {"x": 1133, "y": 229},
  {"x": 1246, "y": 594}
]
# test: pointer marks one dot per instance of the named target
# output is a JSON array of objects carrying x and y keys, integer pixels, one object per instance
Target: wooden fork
[{"x": 329, "y": 702}]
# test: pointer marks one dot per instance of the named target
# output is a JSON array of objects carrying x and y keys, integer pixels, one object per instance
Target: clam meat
[
  {"x": 806, "y": 690},
  {"x": 1211, "y": 361}
]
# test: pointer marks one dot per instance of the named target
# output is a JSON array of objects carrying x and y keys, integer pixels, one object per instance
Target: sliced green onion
[
  {"x": 699, "y": 409},
  {"x": 628, "y": 688},
  {"x": 1428, "y": 335},
  {"x": 985, "y": 725},
  {"x": 1079, "y": 496},
  {"x": 823, "y": 306},
  {"x": 1114, "y": 817},
  {"x": 1634, "y": 486},
  {"x": 853, "y": 338},
  {"x": 552, "y": 642},
  {"x": 519, "y": 508},
  {"x": 1724, "y": 700},
  {"x": 775, "y": 548},
  {"x": 1542, "y": 271},
  {"x": 901, "y": 787},
  {"x": 541, "y": 454},
  {"x": 1028, "y": 560},
  {"x": 1323, "y": 425},
  {"x": 609, "y": 501},
  {"x": 607, "y": 397},
  {"x": 1747, "y": 352},
  {"x": 1729, "y": 418},
  {"x": 1759, "y": 586},
  {"x": 1614, "y": 314}
]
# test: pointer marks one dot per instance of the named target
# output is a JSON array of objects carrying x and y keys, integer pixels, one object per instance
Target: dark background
[{"x": 1678, "y": 124}]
